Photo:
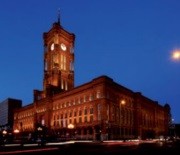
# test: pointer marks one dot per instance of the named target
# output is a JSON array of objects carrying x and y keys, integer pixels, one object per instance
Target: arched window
[{"x": 64, "y": 63}]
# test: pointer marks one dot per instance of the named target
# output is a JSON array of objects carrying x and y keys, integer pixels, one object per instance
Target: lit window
[
  {"x": 98, "y": 94},
  {"x": 64, "y": 63},
  {"x": 90, "y": 97},
  {"x": 62, "y": 84}
]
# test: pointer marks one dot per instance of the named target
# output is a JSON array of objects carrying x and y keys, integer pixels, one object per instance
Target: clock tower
[{"x": 58, "y": 59}]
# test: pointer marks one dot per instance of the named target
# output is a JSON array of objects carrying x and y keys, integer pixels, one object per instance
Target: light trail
[{"x": 29, "y": 150}]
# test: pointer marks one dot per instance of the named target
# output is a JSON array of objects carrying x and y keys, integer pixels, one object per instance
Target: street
[{"x": 100, "y": 148}]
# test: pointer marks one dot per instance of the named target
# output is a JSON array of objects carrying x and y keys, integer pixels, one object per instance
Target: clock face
[
  {"x": 52, "y": 46},
  {"x": 63, "y": 47}
]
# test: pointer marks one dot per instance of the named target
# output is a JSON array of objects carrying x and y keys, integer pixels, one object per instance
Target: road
[{"x": 100, "y": 148}]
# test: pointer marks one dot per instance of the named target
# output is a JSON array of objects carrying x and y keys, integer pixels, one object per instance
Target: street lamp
[
  {"x": 175, "y": 55},
  {"x": 4, "y": 132},
  {"x": 39, "y": 129},
  {"x": 122, "y": 103},
  {"x": 71, "y": 127},
  {"x": 16, "y": 131}
]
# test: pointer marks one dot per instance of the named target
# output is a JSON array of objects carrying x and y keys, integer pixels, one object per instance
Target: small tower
[{"x": 58, "y": 59}]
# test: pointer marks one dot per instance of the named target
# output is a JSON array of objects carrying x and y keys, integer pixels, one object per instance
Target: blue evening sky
[{"x": 128, "y": 40}]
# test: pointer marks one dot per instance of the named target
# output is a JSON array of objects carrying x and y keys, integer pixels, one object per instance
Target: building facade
[
  {"x": 6, "y": 112},
  {"x": 98, "y": 110}
]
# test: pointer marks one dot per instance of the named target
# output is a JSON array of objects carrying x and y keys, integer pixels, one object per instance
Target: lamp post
[
  {"x": 122, "y": 102},
  {"x": 71, "y": 127},
  {"x": 4, "y": 132},
  {"x": 16, "y": 132},
  {"x": 40, "y": 136}
]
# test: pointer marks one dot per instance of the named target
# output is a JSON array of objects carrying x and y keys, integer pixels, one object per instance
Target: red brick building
[{"x": 99, "y": 110}]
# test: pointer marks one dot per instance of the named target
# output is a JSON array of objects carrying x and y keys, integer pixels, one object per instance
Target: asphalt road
[{"x": 97, "y": 149}]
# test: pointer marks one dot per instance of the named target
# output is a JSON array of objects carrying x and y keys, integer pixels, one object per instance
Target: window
[
  {"x": 75, "y": 121},
  {"x": 85, "y": 111},
  {"x": 98, "y": 94},
  {"x": 81, "y": 100},
  {"x": 74, "y": 112},
  {"x": 91, "y": 97},
  {"x": 80, "y": 112},
  {"x": 63, "y": 62},
  {"x": 76, "y": 101},
  {"x": 70, "y": 114},
  {"x": 70, "y": 103},
  {"x": 61, "y": 122},
  {"x": 62, "y": 84},
  {"x": 91, "y": 110},
  {"x": 91, "y": 118},
  {"x": 99, "y": 112},
  {"x": 65, "y": 115},
  {"x": 66, "y": 85},
  {"x": 73, "y": 102},
  {"x": 80, "y": 119},
  {"x": 85, "y": 119}
]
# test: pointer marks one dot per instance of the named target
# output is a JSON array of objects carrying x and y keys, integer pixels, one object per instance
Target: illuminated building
[{"x": 99, "y": 110}]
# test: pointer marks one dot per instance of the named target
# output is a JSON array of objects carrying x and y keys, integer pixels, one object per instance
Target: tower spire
[{"x": 58, "y": 16}]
